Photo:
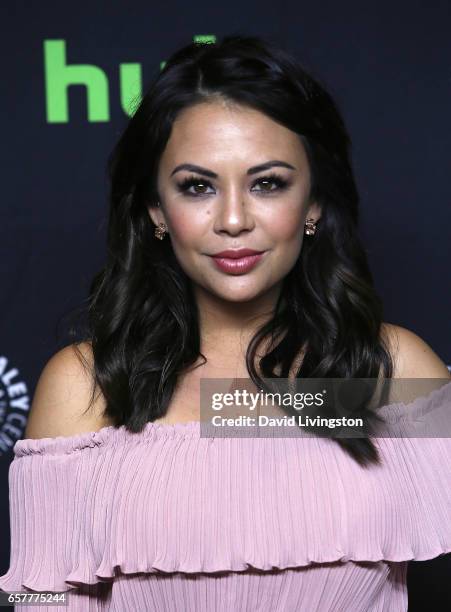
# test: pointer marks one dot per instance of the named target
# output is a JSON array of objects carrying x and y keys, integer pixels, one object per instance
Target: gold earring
[
  {"x": 310, "y": 227},
  {"x": 160, "y": 231}
]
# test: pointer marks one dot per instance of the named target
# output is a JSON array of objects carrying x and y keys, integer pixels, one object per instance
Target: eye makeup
[{"x": 276, "y": 179}]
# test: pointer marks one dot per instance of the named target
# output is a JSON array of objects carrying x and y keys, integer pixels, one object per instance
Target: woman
[{"x": 124, "y": 506}]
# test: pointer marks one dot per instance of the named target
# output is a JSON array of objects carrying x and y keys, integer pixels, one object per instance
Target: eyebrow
[{"x": 253, "y": 170}]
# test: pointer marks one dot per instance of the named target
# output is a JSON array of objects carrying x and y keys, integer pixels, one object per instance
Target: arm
[
  {"x": 61, "y": 402},
  {"x": 412, "y": 356}
]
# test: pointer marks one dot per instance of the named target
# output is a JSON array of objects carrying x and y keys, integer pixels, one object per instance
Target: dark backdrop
[{"x": 388, "y": 66}]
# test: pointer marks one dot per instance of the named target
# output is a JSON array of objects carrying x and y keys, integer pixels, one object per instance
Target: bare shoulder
[
  {"x": 61, "y": 401},
  {"x": 412, "y": 356}
]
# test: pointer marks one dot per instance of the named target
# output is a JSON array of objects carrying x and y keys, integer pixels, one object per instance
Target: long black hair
[{"x": 143, "y": 321}]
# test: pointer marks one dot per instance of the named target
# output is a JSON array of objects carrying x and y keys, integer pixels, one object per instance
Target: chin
[{"x": 238, "y": 296}]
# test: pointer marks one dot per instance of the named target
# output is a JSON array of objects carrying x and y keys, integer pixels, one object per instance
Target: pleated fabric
[{"x": 169, "y": 520}]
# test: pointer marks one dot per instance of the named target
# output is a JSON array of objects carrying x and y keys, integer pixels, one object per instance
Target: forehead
[{"x": 216, "y": 131}]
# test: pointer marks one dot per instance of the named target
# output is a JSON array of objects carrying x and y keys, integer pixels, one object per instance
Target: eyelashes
[{"x": 192, "y": 181}]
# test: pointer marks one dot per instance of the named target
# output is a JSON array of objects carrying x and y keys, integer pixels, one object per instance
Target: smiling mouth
[
  {"x": 240, "y": 265},
  {"x": 236, "y": 253}
]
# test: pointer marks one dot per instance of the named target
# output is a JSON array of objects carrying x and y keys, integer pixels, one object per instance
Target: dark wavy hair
[{"x": 142, "y": 317}]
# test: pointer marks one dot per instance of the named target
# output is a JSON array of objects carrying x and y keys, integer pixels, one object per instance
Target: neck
[{"x": 227, "y": 327}]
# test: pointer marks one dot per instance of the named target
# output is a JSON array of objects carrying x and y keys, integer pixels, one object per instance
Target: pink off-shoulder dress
[{"x": 168, "y": 520}]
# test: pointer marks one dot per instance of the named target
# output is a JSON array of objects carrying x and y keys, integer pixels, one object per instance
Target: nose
[{"x": 234, "y": 215}]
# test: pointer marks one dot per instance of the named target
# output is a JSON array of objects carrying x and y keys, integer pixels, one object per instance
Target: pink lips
[
  {"x": 236, "y": 253},
  {"x": 237, "y": 262}
]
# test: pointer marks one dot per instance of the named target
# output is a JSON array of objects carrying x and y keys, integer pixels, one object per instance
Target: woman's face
[{"x": 237, "y": 207}]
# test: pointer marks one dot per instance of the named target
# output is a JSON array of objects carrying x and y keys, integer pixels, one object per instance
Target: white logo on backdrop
[{"x": 14, "y": 405}]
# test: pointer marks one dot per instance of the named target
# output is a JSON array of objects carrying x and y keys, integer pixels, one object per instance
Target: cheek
[
  {"x": 285, "y": 223},
  {"x": 185, "y": 229}
]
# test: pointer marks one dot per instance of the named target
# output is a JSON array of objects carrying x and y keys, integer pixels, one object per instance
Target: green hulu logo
[{"x": 59, "y": 76}]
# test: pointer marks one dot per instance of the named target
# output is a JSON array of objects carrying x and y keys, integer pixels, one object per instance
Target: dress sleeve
[{"x": 50, "y": 483}]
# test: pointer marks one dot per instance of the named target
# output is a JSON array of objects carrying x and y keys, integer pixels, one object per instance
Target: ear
[
  {"x": 314, "y": 211},
  {"x": 156, "y": 213}
]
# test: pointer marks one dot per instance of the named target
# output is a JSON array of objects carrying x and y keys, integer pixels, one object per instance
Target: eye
[
  {"x": 273, "y": 178},
  {"x": 193, "y": 181}
]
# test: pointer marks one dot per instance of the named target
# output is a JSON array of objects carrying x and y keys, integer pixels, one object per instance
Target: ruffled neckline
[
  {"x": 91, "y": 439},
  {"x": 392, "y": 413}
]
